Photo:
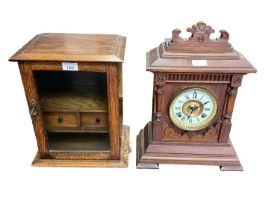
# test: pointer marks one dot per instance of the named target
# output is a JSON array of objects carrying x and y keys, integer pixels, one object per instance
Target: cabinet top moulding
[{"x": 73, "y": 47}]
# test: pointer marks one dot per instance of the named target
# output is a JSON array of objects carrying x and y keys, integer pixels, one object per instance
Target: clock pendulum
[{"x": 195, "y": 86}]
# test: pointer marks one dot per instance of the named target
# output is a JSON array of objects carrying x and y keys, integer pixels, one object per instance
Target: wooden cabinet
[
  {"x": 73, "y": 88},
  {"x": 195, "y": 85}
]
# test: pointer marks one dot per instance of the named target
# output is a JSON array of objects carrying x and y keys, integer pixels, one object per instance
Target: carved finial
[
  {"x": 224, "y": 35},
  {"x": 200, "y": 31},
  {"x": 199, "y": 41},
  {"x": 175, "y": 34}
]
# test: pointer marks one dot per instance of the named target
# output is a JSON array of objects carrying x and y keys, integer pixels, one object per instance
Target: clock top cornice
[{"x": 177, "y": 54}]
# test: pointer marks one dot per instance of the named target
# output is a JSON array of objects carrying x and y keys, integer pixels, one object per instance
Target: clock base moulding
[
  {"x": 85, "y": 160},
  {"x": 150, "y": 155}
]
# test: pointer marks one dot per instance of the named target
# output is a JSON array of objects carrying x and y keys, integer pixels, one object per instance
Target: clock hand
[
  {"x": 196, "y": 107},
  {"x": 192, "y": 109},
  {"x": 200, "y": 106}
]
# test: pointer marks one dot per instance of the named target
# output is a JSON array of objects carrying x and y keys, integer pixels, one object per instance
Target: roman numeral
[
  {"x": 178, "y": 108},
  {"x": 187, "y": 96},
  {"x": 203, "y": 115},
  {"x": 179, "y": 114},
  {"x": 207, "y": 109},
  {"x": 194, "y": 94}
]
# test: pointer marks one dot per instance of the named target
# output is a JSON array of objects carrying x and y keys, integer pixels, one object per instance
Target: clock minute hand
[{"x": 200, "y": 106}]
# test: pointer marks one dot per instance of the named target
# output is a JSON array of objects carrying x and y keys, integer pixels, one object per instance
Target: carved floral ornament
[{"x": 200, "y": 32}]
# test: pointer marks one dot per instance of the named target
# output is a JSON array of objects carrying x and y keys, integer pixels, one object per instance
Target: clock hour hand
[{"x": 192, "y": 109}]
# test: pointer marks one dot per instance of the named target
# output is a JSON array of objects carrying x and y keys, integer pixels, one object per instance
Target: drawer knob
[
  {"x": 60, "y": 119},
  {"x": 97, "y": 119}
]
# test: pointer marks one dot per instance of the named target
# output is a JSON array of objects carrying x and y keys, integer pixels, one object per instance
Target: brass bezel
[{"x": 205, "y": 123}]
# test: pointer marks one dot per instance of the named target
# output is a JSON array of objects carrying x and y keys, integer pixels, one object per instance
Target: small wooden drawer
[
  {"x": 95, "y": 120},
  {"x": 61, "y": 119}
]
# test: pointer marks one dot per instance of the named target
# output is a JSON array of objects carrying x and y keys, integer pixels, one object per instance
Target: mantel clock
[{"x": 195, "y": 86}]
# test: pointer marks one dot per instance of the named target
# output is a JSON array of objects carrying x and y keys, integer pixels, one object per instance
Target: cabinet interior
[{"x": 74, "y": 107}]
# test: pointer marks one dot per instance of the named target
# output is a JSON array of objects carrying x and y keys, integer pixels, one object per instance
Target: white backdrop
[{"x": 254, "y": 31}]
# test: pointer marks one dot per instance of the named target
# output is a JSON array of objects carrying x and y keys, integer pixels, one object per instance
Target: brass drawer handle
[
  {"x": 60, "y": 119},
  {"x": 97, "y": 119}
]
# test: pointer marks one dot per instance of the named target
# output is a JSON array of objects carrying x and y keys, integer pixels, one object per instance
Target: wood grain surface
[
  {"x": 32, "y": 97},
  {"x": 73, "y": 47}
]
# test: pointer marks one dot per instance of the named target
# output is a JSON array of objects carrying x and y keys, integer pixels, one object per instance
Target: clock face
[{"x": 193, "y": 108}]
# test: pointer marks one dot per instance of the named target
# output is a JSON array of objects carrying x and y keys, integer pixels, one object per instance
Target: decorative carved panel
[
  {"x": 209, "y": 134},
  {"x": 200, "y": 40}
]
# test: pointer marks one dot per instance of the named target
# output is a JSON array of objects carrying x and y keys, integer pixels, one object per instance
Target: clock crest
[{"x": 195, "y": 85}]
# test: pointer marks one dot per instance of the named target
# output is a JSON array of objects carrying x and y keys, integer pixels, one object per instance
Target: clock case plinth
[
  {"x": 151, "y": 155},
  {"x": 194, "y": 62}
]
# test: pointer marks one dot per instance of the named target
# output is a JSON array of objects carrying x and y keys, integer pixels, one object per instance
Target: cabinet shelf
[
  {"x": 73, "y": 102},
  {"x": 78, "y": 141},
  {"x": 78, "y": 130}
]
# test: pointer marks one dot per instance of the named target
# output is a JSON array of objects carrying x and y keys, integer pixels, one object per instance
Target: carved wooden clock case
[{"x": 195, "y": 86}]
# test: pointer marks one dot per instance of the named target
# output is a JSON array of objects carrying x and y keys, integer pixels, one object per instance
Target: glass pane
[{"x": 74, "y": 106}]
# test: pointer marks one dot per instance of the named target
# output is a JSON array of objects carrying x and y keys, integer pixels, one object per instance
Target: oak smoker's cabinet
[{"x": 73, "y": 86}]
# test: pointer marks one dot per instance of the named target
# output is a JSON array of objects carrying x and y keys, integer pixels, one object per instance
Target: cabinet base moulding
[
  {"x": 122, "y": 163},
  {"x": 150, "y": 155}
]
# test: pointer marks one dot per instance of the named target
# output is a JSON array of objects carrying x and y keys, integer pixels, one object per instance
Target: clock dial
[{"x": 193, "y": 108}]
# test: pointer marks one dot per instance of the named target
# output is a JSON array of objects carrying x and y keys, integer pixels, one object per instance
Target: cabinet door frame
[
  {"x": 32, "y": 97},
  {"x": 112, "y": 71},
  {"x": 35, "y": 111}
]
